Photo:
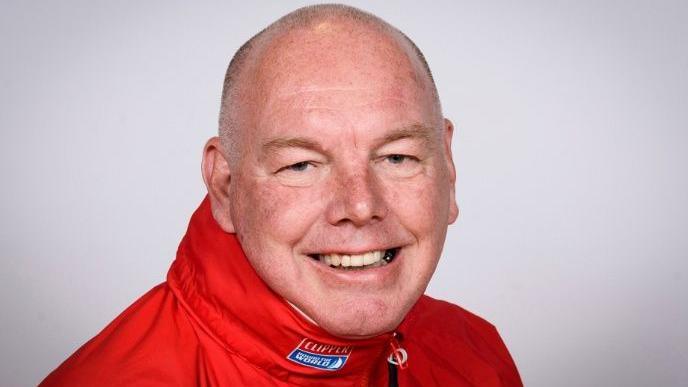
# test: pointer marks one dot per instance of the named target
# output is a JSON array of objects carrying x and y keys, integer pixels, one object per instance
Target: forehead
[
  {"x": 338, "y": 64},
  {"x": 337, "y": 47},
  {"x": 338, "y": 115}
]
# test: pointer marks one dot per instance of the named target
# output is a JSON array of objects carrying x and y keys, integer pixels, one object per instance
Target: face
[{"x": 343, "y": 191}]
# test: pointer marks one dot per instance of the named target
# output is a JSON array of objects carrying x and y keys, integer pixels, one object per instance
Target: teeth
[{"x": 371, "y": 258}]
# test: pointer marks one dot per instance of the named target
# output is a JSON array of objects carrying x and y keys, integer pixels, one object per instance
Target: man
[{"x": 330, "y": 189}]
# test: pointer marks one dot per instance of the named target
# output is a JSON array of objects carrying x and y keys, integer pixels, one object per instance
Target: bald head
[{"x": 299, "y": 46}]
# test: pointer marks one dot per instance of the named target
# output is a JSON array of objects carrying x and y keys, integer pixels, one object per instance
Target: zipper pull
[{"x": 398, "y": 356}]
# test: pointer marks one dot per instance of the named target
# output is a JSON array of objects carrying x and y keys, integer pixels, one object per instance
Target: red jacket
[{"x": 215, "y": 322}]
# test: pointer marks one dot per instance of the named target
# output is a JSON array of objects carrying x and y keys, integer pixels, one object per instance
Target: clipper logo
[{"x": 320, "y": 356}]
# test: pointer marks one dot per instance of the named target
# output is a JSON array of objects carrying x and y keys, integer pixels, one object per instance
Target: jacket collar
[{"x": 217, "y": 285}]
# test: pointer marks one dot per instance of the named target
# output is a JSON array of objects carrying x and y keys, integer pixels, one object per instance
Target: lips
[{"x": 370, "y": 259}]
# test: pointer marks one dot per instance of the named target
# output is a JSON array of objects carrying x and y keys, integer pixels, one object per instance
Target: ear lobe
[
  {"x": 453, "y": 206},
  {"x": 217, "y": 177}
]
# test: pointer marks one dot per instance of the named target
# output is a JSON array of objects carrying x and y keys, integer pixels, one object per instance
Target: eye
[
  {"x": 301, "y": 166},
  {"x": 298, "y": 167},
  {"x": 399, "y": 159},
  {"x": 397, "y": 165},
  {"x": 301, "y": 174}
]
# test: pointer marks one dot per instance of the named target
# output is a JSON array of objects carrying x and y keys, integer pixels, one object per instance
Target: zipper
[
  {"x": 392, "y": 372},
  {"x": 397, "y": 359}
]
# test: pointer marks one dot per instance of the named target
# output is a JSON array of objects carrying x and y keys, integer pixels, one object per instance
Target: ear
[
  {"x": 453, "y": 206},
  {"x": 217, "y": 176}
]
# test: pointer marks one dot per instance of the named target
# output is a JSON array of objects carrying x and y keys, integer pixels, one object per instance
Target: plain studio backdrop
[{"x": 572, "y": 128}]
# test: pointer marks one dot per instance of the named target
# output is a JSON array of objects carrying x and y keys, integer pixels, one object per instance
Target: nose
[{"x": 357, "y": 199}]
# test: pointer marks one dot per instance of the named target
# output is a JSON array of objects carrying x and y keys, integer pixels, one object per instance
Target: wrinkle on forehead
[
  {"x": 345, "y": 100},
  {"x": 306, "y": 111},
  {"x": 313, "y": 88}
]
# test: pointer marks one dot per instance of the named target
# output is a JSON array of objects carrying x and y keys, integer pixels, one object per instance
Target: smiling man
[{"x": 330, "y": 189}]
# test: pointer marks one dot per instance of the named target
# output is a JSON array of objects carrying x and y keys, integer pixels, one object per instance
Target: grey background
[{"x": 572, "y": 128}]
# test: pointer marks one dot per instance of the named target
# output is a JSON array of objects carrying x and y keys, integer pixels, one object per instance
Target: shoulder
[
  {"x": 141, "y": 341},
  {"x": 458, "y": 344}
]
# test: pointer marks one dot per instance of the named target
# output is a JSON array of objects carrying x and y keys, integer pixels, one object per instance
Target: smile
[{"x": 365, "y": 260}]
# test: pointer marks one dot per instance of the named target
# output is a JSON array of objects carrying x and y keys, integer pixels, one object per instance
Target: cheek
[
  {"x": 278, "y": 213},
  {"x": 420, "y": 205},
  {"x": 422, "y": 209}
]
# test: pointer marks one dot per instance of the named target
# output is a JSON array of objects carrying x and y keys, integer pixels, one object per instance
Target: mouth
[{"x": 367, "y": 260}]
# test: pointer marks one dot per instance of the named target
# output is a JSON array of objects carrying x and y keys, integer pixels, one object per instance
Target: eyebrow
[
  {"x": 276, "y": 144},
  {"x": 413, "y": 131}
]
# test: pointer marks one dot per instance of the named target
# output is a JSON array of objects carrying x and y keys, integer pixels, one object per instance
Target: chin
[{"x": 358, "y": 321}]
